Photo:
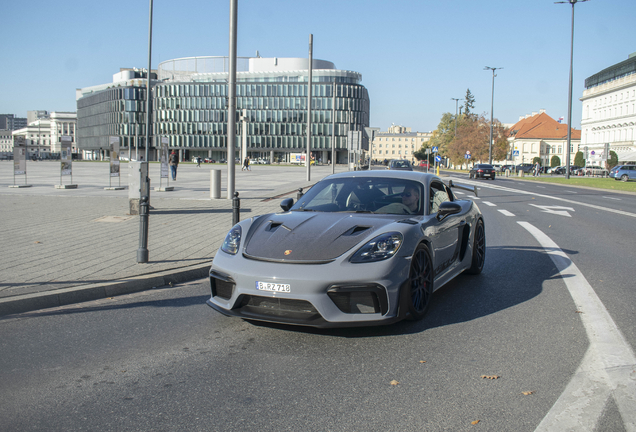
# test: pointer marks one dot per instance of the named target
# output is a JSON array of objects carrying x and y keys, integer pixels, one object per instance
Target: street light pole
[
  {"x": 456, "y": 107},
  {"x": 567, "y": 151},
  {"x": 492, "y": 103}
]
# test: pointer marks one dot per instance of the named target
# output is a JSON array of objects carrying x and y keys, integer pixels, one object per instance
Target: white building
[
  {"x": 397, "y": 143},
  {"x": 609, "y": 112},
  {"x": 44, "y": 135}
]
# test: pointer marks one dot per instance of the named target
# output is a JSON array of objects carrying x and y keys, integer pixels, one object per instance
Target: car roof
[{"x": 389, "y": 174}]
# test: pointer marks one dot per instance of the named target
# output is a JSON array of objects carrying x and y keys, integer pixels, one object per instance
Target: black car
[
  {"x": 482, "y": 171},
  {"x": 525, "y": 167},
  {"x": 399, "y": 164},
  {"x": 561, "y": 170}
]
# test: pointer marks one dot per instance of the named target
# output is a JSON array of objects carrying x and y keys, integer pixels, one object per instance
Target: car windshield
[
  {"x": 363, "y": 195},
  {"x": 399, "y": 164}
]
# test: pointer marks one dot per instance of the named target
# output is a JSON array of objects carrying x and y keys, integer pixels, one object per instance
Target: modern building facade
[
  {"x": 539, "y": 135},
  {"x": 11, "y": 122},
  {"x": 397, "y": 143},
  {"x": 609, "y": 112},
  {"x": 190, "y": 99}
]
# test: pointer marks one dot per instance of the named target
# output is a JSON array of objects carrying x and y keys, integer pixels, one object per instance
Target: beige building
[
  {"x": 44, "y": 135},
  {"x": 397, "y": 143},
  {"x": 539, "y": 135}
]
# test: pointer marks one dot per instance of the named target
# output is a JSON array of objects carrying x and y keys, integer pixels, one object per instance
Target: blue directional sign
[
  {"x": 438, "y": 158},
  {"x": 515, "y": 152},
  {"x": 467, "y": 156},
  {"x": 435, "y": 149}
]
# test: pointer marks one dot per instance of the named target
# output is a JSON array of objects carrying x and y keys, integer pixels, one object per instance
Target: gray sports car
[{"x": 359, "y": 248}]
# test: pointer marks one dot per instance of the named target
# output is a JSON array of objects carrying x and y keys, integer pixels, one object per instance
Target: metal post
[
  {"x": 144, "y": 196},
  {"x": 299, "y": 195},
  {"x": 333, "y": 129},
  {"x": 231, "y": 108},
  {"x": 309, "y": 79},
  {"x": 236, "y": 209},
  {"x": 492, "y": 103}
]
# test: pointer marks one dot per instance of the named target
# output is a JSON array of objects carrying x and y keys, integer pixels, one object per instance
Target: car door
[{"x": 445, "y": 232}]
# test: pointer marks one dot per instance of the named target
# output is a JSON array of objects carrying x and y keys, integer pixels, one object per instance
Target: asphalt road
[{"x": 163, "y": 360}]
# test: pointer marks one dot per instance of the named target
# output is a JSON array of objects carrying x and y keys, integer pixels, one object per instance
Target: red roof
[{"x": 541, "y": 126}]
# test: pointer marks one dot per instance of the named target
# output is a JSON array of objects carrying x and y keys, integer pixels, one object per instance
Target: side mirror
[
  {"x": 448, "y": 208},
  {"x": 286, "y": 204}
]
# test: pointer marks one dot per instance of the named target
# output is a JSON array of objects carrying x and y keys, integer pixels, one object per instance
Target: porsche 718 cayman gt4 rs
[{"x": 359, "y": 248}]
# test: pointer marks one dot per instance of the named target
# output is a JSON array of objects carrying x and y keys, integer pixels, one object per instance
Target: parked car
[
  {"x": 595, "y": 170},
  {"x": 209, "y": 160},
  {"x": 380, "y": 247},
  {"x": 424, "y": 164},
  {"x": 623, "y": 172},
  {"x": 497, "y": 167},
  {"x": 525, "y": 167},
  {"x": 399, "y": 164},
  {"x": 561, "y": 169},
  {"x": 507, "y": 167},
  {"x": 482, "y": 171}
]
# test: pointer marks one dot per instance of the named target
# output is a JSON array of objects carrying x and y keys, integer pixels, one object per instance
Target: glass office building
[{"x": 190, "y": 98}]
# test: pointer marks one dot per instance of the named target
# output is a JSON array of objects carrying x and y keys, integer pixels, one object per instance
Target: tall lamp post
[
  {"x": 567, "y": 151},
  {"x": 492, "y": 103},
  {"x": 456, "y": 107}
]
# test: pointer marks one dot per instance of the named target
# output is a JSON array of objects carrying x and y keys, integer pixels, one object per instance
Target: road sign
[
  {"x": 467, "y": 152},
  {"x": 515, "y": 153},
  {"x": 435, "y": 149},
  {"x": 438, "y": 158},
  {"x": 466, "y": 156}
]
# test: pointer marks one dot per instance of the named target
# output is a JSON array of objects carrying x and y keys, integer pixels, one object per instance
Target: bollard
[
  {"x": 215, "y": 184},
  {"x": 142, "y": 252},
  {"x": 236, "y": 209},
  {"x": 299, "y": 195}
]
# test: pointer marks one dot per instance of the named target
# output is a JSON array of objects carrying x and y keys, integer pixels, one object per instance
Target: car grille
[{"x": 359, "y": 299}]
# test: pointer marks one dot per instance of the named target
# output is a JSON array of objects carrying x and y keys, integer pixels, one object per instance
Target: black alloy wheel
[
  {"x": 420, "y": 283},
  {"x": 479, "y": 249}
]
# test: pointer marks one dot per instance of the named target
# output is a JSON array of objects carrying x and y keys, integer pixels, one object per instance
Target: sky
[{"x": 414, "y": 55}]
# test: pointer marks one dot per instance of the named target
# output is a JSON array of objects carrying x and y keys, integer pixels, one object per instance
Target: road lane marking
[
  {"x": 608, "y": 369},
  {"x": 507, "y": 189},
  {"x": 617, "y": 199},
  {"x": 557, "y": 210},
  {"x": 488, "y": 203},
  {"x": 506, "y": 213}
]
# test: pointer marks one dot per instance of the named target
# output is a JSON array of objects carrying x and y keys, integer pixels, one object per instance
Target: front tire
[
  {"x": 418, "y": 291},
  {"x": 479, "y": 249}
]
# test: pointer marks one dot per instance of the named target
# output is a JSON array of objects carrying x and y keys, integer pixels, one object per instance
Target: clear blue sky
[{"x": 414, "y": 55}]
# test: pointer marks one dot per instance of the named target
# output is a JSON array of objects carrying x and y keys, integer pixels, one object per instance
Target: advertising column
[
  {"x": 113, "y": 142},
  {"x": 66, "y": 162},
  {"x": 19, "y": 160}
]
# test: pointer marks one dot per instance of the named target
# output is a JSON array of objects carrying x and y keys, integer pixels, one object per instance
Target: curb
[{"x": 83, "y": 293}]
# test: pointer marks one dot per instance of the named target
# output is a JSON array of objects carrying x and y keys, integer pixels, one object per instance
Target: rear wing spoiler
[{"x": 472, "y": 189}]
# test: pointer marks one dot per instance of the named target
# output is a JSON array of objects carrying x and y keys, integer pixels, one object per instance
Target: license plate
[{"x": 273, "y": 287}]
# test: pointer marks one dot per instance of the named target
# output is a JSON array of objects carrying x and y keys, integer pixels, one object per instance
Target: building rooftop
[{"x": 541, "y": 126}]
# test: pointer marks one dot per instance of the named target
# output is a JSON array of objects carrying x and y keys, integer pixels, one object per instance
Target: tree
[
  {"x": 469, "y": 102},
  {"x": 535, "y": 160},
  {"x": 555, "y": 161},
  {"x": 501, "y": 146},
  {"x": 578, "y": 159},
  {"x": 473, "y": 133},
  {"x": 612, "y": 161}
]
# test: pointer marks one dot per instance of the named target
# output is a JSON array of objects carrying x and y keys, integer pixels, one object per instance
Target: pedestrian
[
  {"x": 244, "y": 167},
  {"x": 198, "y": 162},
  {"x": 537, "y": 169},
  {"x": 247, "y": 164},
  {"x": 173, "y": 161}
]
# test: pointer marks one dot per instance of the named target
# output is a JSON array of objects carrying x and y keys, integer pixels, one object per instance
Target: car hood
[{"x": 309, "y": 236}]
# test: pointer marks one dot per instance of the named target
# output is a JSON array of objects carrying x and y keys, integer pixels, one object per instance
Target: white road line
[
  {"x": 458, "y": 193},
  {"x": 617, "y": 199},
  {"x": 507, "y": 189},
  {"x": 473, "y": 197},
  {"x": 506, "y": 213},
  {"x": 488, "y": 203},
  {"x": 608, "y": 369},
  {"x": 542, "y": 187}
]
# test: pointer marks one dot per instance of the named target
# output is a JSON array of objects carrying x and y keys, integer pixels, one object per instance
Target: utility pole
[
  {"x": 456, "y": 107},
  {"x": 231, "y": 108},
  {"x": 309, "y": 79},
  {"x": 492, "y": 103},
  {"x": 567, "y": 151}
]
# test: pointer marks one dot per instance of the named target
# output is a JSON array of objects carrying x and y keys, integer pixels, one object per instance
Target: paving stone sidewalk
[{"x": 64, "y": 246}]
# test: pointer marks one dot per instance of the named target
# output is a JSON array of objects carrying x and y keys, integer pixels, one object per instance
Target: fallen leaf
[
  {"x": 394, "y": 382},
  {"x": 491, "y": 377},
  {"x": 422, "y": 361},
  {"x": 527, "y": 393},
  {"x": 37, "y": 242},
  {"x": 578, "y": 311},
  {"x": 474, "y": 422}
]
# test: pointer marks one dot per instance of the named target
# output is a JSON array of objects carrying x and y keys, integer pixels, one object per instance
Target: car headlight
[
  {"x": 232, "y": 241},
  {"x": 380, "y": 248}
]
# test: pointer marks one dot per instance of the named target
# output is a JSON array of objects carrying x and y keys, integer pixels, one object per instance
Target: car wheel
[
  {"x": 479, "y": 249},
  {"x": 419, "y": 289},
  {"x": 624, "y": 177}
]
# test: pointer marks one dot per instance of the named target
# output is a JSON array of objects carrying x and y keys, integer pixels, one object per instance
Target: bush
[
  {"x": 535, "y": 160},
  {"x": 612, "y": 161},
  {"x": 578, "y": 159},
  {"x": 555, "y": 161}
]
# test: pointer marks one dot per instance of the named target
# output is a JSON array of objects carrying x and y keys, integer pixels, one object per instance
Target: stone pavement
[{"x": 62, "y": 246}]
